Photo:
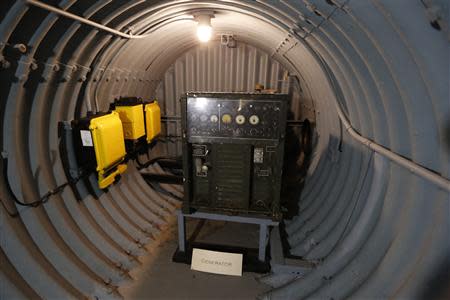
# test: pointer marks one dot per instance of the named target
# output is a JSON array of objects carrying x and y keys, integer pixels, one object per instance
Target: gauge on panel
[
  {"x": 214, "y": 118},
  {"x": 226, "y": 119},
  {"x": 240, "y": 119},
  {"x": 254, "y": 120},
  {"x": 193, "y": 117}
]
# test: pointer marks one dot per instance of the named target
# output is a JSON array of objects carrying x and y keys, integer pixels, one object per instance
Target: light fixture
[{"x": 204, "y": 29}]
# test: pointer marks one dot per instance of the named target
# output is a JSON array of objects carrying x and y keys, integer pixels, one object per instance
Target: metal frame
[{"x": 263, "y": 228}]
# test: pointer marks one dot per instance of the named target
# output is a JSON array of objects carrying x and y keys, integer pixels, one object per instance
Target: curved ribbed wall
[{"x": 373, "y": 228}]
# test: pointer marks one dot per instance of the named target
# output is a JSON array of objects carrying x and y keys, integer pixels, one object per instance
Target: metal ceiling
[{"x": 374, "y": 228}]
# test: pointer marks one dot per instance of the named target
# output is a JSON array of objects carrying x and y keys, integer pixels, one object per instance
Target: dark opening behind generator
[{"x": 233, "y": 145}]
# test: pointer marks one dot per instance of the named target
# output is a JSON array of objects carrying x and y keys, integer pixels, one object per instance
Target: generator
[
  {"x": 100, "y": 147},
  {"x": 233, "y": 146}
]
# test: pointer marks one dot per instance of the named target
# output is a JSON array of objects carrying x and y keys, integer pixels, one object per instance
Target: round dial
[
  {"x": 214, "y": 118},
  {"x": 203, "y": 118},
  {"x": 240, "y": 119},
  {"x": 226, "y": 119},
  {"x": 193, "y": 117},
  {"x": 254, "y": 120}
]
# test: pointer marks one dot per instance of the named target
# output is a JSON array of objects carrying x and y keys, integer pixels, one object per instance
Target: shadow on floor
[{"x": 160, "y": 278}]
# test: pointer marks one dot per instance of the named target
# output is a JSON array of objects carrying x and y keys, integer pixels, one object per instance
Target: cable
[
  {"x": 162, "y": 190},
  {"x": 12, "y": 215},
  {"x": 36, "y": 203},
  {"x": 8, "y": 186},
  {"x": 353, "y": 209},
  {"x": 153, "y": 160},
  {"x": 169, "y": 139},
  {"x": 166, "y": 141}
]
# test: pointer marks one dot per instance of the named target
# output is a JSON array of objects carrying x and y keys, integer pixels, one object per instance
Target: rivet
[{"x": 20, "y": 47}]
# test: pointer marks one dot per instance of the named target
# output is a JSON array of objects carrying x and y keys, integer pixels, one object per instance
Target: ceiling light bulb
[
  {"x": 204, "y": 29},
  {"x": 204, "y": 33}
]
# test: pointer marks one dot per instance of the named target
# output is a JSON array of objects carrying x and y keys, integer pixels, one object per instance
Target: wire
[
  {"x": 41, "y": 200},
  {"x": 8, "y": 186},
  {"x": 153, "y": 160},
  {"x": 353, "y": 208},
  {"x": 162, "y": 190},
  {"x": 169, "y": 139},
  {"x": 12, "y": 215}
]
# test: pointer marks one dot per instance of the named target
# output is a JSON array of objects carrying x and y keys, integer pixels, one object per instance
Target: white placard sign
[
  {"x": 86, "y": 138},
  {"x": 217, "y": 262}
]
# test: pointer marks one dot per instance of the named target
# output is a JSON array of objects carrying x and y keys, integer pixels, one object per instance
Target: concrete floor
[{"x": 160, "y": 278}]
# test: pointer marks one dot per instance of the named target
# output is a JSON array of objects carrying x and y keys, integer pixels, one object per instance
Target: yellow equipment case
[
  {"x": 152, "y": 120},
  {"x": 139, "y": 119},
  {"x": 101, "y": 147},
  {"x": 132, "y": 116}
]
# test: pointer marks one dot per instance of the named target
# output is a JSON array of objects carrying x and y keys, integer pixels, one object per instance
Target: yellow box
[
  {"x": 132, "y": 121},
  {"x": 106, "y": 179},
  {"x": 109, "y": 144},
  {"x": 153, "y": 120}
]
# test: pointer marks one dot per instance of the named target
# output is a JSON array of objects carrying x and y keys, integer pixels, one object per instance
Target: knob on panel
[
  {"x": 254, "y": 120},
  {"x": 214, "y": 118},
  {"x": 226, "y": 119},
  {"x": 240, "y": 119}
]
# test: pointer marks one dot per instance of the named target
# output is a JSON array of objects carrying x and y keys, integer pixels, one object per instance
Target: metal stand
[
  {"x": 263, "y": 228},
  {"x": 286, "y": 265}
]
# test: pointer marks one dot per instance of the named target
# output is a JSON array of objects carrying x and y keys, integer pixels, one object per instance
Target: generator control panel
[
  {"x": 233, "y": 118},
  {"x": 233, "y": 145}
]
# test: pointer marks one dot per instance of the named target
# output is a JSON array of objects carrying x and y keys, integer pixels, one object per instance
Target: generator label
[
  {"x": 217, "y": 262},
  {"x": 258, "y": 155},
  {"x": 86, "y": 138}
]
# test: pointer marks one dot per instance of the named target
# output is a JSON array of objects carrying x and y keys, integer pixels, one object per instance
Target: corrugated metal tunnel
[{"x": 374, "y": 228}]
